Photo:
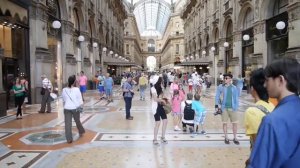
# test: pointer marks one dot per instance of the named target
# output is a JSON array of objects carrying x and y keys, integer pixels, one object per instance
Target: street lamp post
[
  {"x": 81, "y": 39},
  {"x": 213, "y": 49},
  {"x": 102, "y": 60},
  {"x": 58, "y": 66}
]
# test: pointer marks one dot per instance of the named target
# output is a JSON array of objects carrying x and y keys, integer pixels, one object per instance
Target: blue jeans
[
  {"x": 128, "y": 102},
  {"x": 142, "y": 92}
]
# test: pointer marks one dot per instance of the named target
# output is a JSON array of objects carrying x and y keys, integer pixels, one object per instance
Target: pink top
[
  {"x": 176, "y": 102},
  {"x": 174, "y": 86},
  {"x": 181, "y": 94},
  {"x": 82, "y": 80}
]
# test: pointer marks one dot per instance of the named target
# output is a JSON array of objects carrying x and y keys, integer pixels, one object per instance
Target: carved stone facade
[
  {"x": 233, "y": 19},
  {"x": 60, "y": 54}
]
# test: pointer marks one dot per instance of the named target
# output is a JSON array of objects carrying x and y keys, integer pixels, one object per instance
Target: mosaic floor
[{"x": 38, "y": 140}]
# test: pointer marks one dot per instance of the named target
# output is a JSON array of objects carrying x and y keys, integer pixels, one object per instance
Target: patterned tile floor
[{"x": 111, "y": 141}]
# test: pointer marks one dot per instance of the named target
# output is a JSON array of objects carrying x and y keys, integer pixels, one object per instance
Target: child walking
[
  {"x": 190, "y": 81},
  {"x": 200, "y": 113},
  {"x": 176, "y": 111}
]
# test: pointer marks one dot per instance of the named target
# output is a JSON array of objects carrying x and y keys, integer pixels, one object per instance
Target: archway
[
  {"x": 151, "y": 63},
  {"x": 229, "y": 39}
]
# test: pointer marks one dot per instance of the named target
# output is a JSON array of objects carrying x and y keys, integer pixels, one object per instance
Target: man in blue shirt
[
  {"x": 227, "y": 100},
  {"x": 278, "y": 139},
  {"x": 128, "y": 95},
  {"x": 108, "y": 86}
]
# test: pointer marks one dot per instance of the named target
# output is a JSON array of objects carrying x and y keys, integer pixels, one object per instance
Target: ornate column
[
  {"x": 294, "y": 31},
  {"x": 40, "y": 57}
]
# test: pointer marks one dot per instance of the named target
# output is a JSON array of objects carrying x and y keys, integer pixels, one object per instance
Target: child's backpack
[{"x": 188, "y": 112}]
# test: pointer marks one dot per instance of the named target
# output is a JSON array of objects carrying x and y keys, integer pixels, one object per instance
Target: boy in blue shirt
[{"x": 200, "y": 114}]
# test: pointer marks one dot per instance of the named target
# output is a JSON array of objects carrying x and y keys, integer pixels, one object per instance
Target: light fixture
[
  {"x": 280, "y": 25},
  {"x": 191, "y": 56},
  {"x": 81, "y": 38},
  {"x": 104, "y": 49},
  {"x": 208, "y": 67},
  {"x": 111, "y": 52},
  {"x": 56, "y": 24},
  {"x": 120, "y": 57},
  {"x": 95, "y": 45},
  {"x": 212, "y": 49},
  {"x": 226, "y": 44},
  {"x": 203, "y": 52},
  {"x": 196, "y": 55},
  {"x": 116, "y": 55},
  {"x": 246, "y": 37}
]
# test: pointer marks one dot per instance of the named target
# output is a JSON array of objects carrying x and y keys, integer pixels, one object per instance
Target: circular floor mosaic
[{"x": 51, "y": 137}]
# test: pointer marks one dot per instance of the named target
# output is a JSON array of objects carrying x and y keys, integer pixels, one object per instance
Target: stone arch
[
  {"x": 242, "y": 15},
  {"x": 25, "y": 20},
  {"x": 7, "y": 13},
  {"x": 267, "y": 8},
  {"x": 1, "y": 13},
  {"x": 17, "y": 17},
  {"x": 63, "y": 9},
  {"x": 92, "y": 27},
  {"x": 215, "y": 34},
  {"x": 79, "y": 15},
  {"x": 227, "y": 21}
]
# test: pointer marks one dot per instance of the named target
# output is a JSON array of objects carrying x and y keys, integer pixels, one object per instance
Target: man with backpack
[{"x": 188, "y": 113}]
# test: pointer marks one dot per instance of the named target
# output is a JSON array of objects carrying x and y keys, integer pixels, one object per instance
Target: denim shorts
[
  {"x": 108, "y": 92},
  {"x": 82, "y": 88}
]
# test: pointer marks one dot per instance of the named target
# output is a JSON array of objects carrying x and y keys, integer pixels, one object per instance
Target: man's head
[
  {"x": 43, "y": 76},
  {"x": 189, "y": 96},
  {"x": 282, "y": 76},
  {"x": 129, "y": 78},
  {"x": 257, "y": 81},
  {"x": 107, "y": 75},
  {"x": 81, "y": 73},
  {"x": 227, "y": 78}
]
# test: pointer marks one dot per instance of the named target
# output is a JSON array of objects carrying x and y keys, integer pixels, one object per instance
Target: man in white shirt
[{"x": 47, "y": 88}]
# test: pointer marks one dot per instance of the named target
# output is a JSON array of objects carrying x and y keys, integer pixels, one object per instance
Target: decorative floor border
[
  {"x": 11, "y": 158},
  {"x": 169, "y": 137}
]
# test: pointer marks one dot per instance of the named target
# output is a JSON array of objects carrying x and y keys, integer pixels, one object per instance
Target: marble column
[
  {"x": 294, "y": 31},
  {"x": 40, "y": 58}
]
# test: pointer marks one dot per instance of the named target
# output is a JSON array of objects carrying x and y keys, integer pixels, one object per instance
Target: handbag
[
  {"x": 167, "y": 106},
  {"x": 53, "y": 96},
  {"x": 78, "y": 109},
  {"x": 43, "y": 91}
]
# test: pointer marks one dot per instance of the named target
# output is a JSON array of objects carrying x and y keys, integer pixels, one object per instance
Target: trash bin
[{"x": 3, "y": 103}]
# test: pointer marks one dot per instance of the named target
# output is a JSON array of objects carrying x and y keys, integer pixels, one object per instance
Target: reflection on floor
[{"x": 38, "y": 140}]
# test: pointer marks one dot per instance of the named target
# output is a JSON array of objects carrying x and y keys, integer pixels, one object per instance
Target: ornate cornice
[
  {"x": 67, "y": 27},
  {"x": 38, "y": 11}
]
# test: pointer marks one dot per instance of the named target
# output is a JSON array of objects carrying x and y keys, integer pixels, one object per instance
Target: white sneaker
[{"x": 177, "y": 128}]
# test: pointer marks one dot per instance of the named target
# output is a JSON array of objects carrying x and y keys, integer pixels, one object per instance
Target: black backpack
[{"x": 189, "y": 113}]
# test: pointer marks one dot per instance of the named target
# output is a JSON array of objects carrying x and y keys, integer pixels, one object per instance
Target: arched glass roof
[{"x": 152, "y": 15}]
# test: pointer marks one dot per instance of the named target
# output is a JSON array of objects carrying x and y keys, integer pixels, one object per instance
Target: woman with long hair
[
  {"x": 72, "y": 100},
  {"x": 19, "y": 90},
  {"x": 157, "y": 109}
]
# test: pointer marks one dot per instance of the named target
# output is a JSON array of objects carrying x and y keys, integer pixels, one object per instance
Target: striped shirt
[{"x": 47, "y": 83}]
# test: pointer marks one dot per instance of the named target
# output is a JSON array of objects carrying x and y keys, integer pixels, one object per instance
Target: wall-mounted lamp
[
  {"x": 95, "y": 45},
  {"x": 81, "y": 38},
  {"x": 246, "y": 37},
  {"x": 56, "y": 24},
  {"x": 226, "y": 44}
]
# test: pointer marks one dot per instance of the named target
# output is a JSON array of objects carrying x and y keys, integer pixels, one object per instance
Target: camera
[{"x": 218, "y": 110}]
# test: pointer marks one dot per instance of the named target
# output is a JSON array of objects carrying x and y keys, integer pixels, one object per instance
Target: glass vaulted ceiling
[{"x": 152, "y": 15}]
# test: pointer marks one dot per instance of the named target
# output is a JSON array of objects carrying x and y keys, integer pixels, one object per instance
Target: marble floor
[{"x": 38, "y": 140}]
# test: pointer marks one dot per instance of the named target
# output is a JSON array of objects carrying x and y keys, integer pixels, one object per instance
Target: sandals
[
  {"x": 163, "y": 140},
  {"x": 155, "y": 142},
  {"x": 226, "y": 141},
  {"x": 235, "y": 141}
]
